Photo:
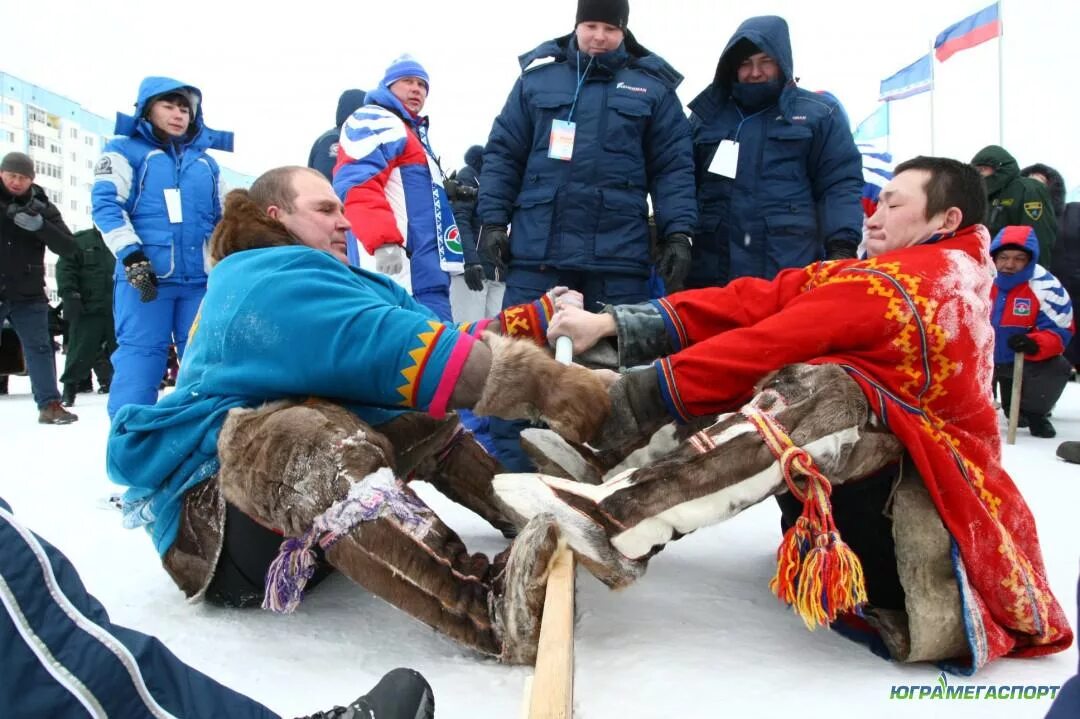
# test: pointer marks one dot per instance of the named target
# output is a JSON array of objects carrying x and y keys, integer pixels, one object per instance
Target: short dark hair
[{"x": 952, "y": 184}]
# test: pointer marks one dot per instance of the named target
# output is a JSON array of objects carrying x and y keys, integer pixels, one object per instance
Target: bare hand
[{"x": 584, "y": 328}]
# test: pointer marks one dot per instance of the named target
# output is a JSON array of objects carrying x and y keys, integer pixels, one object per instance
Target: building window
[
  {"x": 74, "y": 205},
  {"x": 55, "y": 149},
  {"x": 48, "y": 169},
  {"x": 74, "y": 181},
  {"x": 75, "y": 133},
  {"x": 10, "y": 135},
  {"x": 54, "y": 196},
  {"x": 89, "y": 140},
  {"x": 89, "y": 164},
  {"x": 10, "y": 109},
  {"x": 89, "y": 211},
  {"x": 36, "y": 114},
  {"x": 37, "y": 140}
]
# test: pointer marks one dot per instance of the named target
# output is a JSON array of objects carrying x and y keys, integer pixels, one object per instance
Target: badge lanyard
[
  {"x": 725, "y": 160},
  {"x": 561, "y": 140}
]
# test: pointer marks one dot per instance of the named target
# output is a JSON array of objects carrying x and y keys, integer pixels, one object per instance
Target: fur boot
[
  {"x": 521, "y": 587},
  {"x": 712, "y": 476},
  {"x": 527, "y": 383}
]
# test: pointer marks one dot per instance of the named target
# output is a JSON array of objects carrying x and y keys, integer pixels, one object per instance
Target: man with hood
[
  {"x": 324, "y": 152},
  {"x": 392, "y": 185},
  {"x": 1032, "y": 314},
  {"x": 479, "y": 291},
  {"x": 1016, "y": 200},
  {"x": 779, "y": 177},
  {"x": 156, "y": 197},
  {"x": 592, "y": 128}
]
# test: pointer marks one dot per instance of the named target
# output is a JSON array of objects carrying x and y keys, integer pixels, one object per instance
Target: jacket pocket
[
  {"x": 622, "y": 232},
  {"x": 530, "y": 226},
  {"x": 158, "y": 248},
  {"x": 792, "y": 240},
  {"x": 549, "y": 106},
  {"x": 786, "y": 151},
  {"x": 626, "y": 123}
]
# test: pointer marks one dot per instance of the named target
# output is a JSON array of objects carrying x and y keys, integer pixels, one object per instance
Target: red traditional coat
[{"x": 912, "y": 328}]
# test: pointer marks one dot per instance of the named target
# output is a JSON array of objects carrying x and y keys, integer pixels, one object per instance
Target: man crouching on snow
[
  {"x": 872, "y": 370},
  {"x": 247, "y": 450}
]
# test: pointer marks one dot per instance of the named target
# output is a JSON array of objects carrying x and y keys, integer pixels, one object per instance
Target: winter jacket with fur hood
[{"x": 1016, "y": 200}]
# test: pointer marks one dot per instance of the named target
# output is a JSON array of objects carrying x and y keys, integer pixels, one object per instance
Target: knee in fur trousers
[{"x": 316, "y": 472}]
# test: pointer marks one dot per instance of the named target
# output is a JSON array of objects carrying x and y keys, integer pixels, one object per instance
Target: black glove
[
  {"x": 28, "y": 217},
  {"x": 73, "y": 307},
  {"x": 140, "y": 275},
  {"x": 474, "y": 277},
  {"x": 841, "y": 250},
  {"x": 674, "y": 261},
  {"x": 1023, "y": 343},
  {"x": 493, "y": 244}
]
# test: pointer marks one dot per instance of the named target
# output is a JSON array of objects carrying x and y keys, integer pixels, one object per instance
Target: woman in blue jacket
[{"x": 157, "y": 197}]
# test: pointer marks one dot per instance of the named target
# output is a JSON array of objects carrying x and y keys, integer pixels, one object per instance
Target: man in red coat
[{"x": 872, "y": 372}]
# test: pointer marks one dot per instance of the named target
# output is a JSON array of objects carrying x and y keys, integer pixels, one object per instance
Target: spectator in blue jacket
[
  {"x": 779, "y": 177},
  {"x": 591, "y": 129},
  {"x": 478, "y": 293},
  {"x": 324, "y": 151},
  {"x": 157, "y": 196}
]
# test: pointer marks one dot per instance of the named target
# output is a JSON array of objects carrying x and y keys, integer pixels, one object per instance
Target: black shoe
[
  {"x": 1040, "y": 426},
  {"x": 1069, "y": 451},
  {"x": 400, "y": 693},
  {"x": 86, "y": 386},
  {"x": 68, "y": 397},
  {"x": 3, "y": 384}
]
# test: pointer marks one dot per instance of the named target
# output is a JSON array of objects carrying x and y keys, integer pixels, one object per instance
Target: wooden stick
[
  {"x": 550, "y": 694},
  {"x": 553, "y": 683},
  {"x": 1014, "y": 405}
]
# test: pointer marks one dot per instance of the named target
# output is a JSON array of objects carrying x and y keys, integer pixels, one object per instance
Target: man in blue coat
[
  {"x": 779, "y": 177},
  {"x": 156, "y": 198},
  {"x": 591, "y": 129}
]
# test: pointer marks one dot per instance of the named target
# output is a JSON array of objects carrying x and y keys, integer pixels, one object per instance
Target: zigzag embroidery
[{"x": 414, "y": 372}]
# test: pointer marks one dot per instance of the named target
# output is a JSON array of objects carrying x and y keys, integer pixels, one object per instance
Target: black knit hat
[
  {"x": 613, "y": 12},
  {"x": 18, "y": 163}
]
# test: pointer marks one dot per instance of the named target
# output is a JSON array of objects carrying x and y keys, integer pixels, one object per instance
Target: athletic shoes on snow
[
  {"x": 400, "y": 694},
  {"x": 54, "y": 413}
]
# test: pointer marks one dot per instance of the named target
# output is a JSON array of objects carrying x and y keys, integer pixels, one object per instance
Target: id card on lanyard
[{"x": 561, "y": 140}]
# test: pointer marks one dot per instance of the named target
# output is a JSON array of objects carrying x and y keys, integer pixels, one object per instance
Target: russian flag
[
  {"x": 912, "y": 80},
  {"x": 969, "y": 32}
]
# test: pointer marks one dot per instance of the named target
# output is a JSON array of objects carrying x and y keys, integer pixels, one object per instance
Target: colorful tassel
[{"x": 817, "y": 573}]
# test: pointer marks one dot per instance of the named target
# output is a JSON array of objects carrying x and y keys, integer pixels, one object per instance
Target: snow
[{"x": 698, "y": 635}]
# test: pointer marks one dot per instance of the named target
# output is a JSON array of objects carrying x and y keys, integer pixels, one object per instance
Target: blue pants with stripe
[{"x": 62, "y": 657}]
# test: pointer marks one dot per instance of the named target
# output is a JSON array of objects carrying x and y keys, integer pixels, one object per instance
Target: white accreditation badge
[
  {"x": 726, "y": 160},
  {"x": 561, "y": 142},
  {"x": 172, "y": 205}
]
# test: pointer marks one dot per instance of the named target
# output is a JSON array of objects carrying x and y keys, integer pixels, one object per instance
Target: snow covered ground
[{"x": 700, "y": 635}]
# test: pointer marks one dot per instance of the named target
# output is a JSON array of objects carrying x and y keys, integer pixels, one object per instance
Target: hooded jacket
[
  {"x": 1016, "y": 200},
  {"x": 323, "y": 155},
  {"x": 632, "y": 141},
  {"x": 134, "y": 175},
  {"x": 799, "y": 180},
  {"x": 1031, "y": 302}
]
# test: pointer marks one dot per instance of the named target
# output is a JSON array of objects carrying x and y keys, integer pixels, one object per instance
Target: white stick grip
[{"x": 564, "y": 349}]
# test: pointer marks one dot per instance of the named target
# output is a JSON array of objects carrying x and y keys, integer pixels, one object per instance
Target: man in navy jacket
[{"x": 778, "y": 174}]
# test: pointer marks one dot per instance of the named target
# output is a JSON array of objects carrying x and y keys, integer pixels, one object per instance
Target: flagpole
[
  {"x": 888, "y": 126},
  {"x": 1001, "y": 76},
  {"x": 932, "y": 88}
]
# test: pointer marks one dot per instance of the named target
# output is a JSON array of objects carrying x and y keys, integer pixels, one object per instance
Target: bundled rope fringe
[
  {"x": 377, "y": 495},
  {"x": 816, "y": 572}
]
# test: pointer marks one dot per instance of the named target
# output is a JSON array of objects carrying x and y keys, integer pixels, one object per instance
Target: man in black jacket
[
  {"x": 29, "y": 223},
  {"x": 478, "y": 293}
]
